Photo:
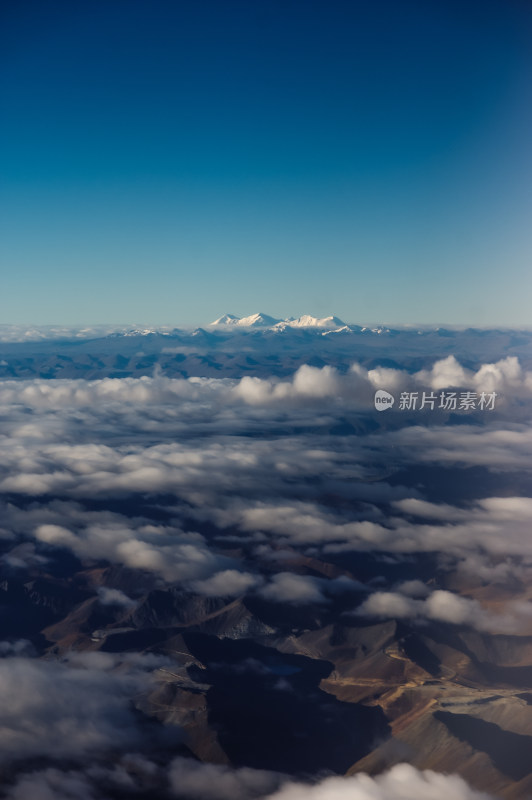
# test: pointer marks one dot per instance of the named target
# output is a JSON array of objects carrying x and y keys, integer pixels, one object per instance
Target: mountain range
[{"x": 256, "y": 345}]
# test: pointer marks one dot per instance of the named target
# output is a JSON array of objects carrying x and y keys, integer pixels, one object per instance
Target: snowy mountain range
[{"x": 261, "y": 320}]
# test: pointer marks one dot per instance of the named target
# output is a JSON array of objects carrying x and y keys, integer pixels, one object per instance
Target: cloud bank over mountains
[
  {"x": 354, "y": 388},
  {"x": 116, "y": 436},
  {"x": 277, "y": 511}
]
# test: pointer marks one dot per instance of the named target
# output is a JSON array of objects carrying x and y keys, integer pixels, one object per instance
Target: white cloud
[
  {"x": 19, "y": 647},
  {"x": 173, "y": 554},
  {"x": 226, "y": 583},
  {"x": 52, "y": 709},
  {"x": 114, "y": 597},
  {"x": 402, "y": 782},
  {"x": 198, "y": 781},
  {"x": 445, "y": 373},
  {"x": 413, "y": 588},
  {"x": 307, "y": 383},
  {"x": 444, "y": 606},
  {"x": 52, "y": 784},
  {"x": 286, "y": 587},
  {"x": 504, "y": 374},
  {"x": 439, "y": 605}
]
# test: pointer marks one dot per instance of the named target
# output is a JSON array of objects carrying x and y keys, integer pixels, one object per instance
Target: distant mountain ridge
[
  {"x": 259, "y": 323},
  {"x": 257, "y": 345}
]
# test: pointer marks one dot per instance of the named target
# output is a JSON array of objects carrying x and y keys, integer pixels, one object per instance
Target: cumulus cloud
[
  {"x": 448, "y": 607},
  {"x": 24, "y": 556},
  {"x": 226, "y": 583},
  {"x": 132, "y": 774},
  {"x": 418, "y": 526},
  {"x": 57, "y": 710},
  {"x": 60, "y": 393},
  {"x": 52, "y": 784},
  {"x": 249, "y": 484},
  {"x": 174, "y": 554},
  {"x": 307, "y": 383},
  {"x": 114, "y": 597},
  {"x": 286, "y": 587},
  {"x": 198, "y": 781},
  {"x": 505, "y": 377},
  {"x": 445, "y": 373},
  {"x": 479, "y": 525},
  {"x": 18, "y": 647},
  {"x": 496, "y": 447},
  {"x": 413, "y": 588},
  {"x": 193, "y": 780},
  {"x": 402, "y": 782}
]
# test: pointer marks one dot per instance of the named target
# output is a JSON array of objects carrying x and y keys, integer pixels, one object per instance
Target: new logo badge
[{"x": 383, "y": 400}]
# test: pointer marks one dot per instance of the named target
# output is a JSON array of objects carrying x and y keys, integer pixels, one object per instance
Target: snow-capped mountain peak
[
  {"x": 307, "y": 321},
  {"x": 253, "y": 320},
  {"x": 227, "y": 319},
  {"x": 258, "y": 320}
]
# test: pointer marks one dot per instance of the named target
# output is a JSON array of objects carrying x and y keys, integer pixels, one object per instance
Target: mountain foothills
[{"x": 225, "y": 574}]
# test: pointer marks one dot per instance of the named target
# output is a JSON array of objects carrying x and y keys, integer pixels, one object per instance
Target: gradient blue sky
[{"x": 167, "y": 162}]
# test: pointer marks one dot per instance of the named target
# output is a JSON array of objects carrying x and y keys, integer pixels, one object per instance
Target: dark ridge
[
  {"x": 136, "y": 640},
  {"x": 518, "y": 677},
  {"x": 303, "y": 617},
  {"x": 417, "y": 651},
  {"x": 269, "y": 712},
  {"x": 447, "y": 635},
  {"x": 24, "y": 613},
  {"x": 479, "y": 701},
  {"x": 510, "y": 752}
]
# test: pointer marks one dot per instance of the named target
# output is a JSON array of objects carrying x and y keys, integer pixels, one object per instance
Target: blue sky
[{"x": 166, "y": 162}]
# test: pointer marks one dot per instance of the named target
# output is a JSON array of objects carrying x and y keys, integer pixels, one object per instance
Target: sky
[{"x": 167, "y": 162}]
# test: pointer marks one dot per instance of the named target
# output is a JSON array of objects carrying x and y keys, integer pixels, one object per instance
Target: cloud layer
[{"x": 289, "y": 495}]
